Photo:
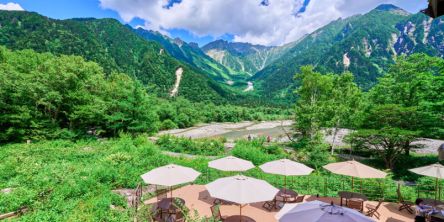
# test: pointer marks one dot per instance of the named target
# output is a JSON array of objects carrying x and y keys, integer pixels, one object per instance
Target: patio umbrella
[
  {"x": 286, "y": 168},
  {"x": 354, "y": 169},
  {"x": 241, "y": 190},
  {"x": 231, "y": 164},
  {"x": 170, "y": 175},
  {"x": 317, "y": 211},
  {"x": 434, "y": 170}
]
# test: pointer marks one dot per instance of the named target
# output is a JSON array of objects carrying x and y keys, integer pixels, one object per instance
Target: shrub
[
  {"x": 168, "y": 124},
  {"x": 206, "y": 147},
  {"x": 256, "y": 152}
]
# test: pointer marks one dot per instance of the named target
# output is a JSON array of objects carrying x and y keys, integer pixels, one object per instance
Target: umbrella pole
[
  {"x": 240, "y": 212},
  {"x": 436, "y": 188}
]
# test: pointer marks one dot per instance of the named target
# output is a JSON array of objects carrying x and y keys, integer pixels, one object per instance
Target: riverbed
[
  {"x": 278, "y": 131},
  {"x": 232, "y": 131}
]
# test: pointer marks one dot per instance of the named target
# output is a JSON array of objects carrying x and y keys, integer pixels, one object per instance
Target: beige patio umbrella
[
  {"x": 286, "y": 168},
  {"x": 354, "y": 169},
  {"x": 317, "y": 211},
  {"x": 434, "y": 170},
  {"x": 241, "y": 190},
  {"x": 170, "y": 175},
  {"x": 231, "y": 164}
]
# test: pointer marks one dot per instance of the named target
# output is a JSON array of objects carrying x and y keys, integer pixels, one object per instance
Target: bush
[
  {"x": 256, "y": 152},
  {"x": 168, "y": 124},
  {"x": 313, "y": 152},
  {"x": 206, "y": 147}
]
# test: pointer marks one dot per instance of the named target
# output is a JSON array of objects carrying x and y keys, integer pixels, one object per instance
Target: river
[{"x": 233, "y": 131}]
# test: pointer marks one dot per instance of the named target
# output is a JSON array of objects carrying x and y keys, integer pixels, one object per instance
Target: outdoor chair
[
  {"x": 372, "y": 210},
  {"x": 222, "y": 202},
  {"x": 354, "y": 204},
  {"x": 155, "y": 214},
  {"x": 270, "y": 205},
  {"x": 136, "y": 199},
  {"x": 298, "y": 199},
  {"x": 405, "y": 205},
  {"x": 176, "y": 216},
  {"x": 161, "y": 194},
  {"x": 215, "y": 212},
  {"x": 180, "y": 217}
]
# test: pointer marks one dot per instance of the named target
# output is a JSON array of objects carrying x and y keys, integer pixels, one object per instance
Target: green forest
[{"x": 65, "y": 97}]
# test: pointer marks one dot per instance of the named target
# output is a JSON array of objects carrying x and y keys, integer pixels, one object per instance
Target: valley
[
  {"x": 88, "y": 105},
  {"x": 223, "y": 68}
]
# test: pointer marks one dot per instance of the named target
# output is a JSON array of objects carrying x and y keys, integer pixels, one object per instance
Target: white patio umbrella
[
  {"x": 170, "y": 175},
  {"x": 317, "y": 211},
  {"x": 354, "y": 169},
  {"x": 434, "y": 170},
  {"x": 286, "y": 168},
  {"x": 231, "y": 164},
  {"x": 241, "y": 190}
]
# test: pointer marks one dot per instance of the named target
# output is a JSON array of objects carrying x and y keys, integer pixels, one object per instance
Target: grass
[{"x": 73, "y": 181}]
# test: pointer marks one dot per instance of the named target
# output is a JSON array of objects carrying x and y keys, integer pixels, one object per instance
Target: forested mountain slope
[
  {"x": 243, "y": 59},
  {"x": 114, "y": 46},
  {"x": 364, "y": 44},
  {"x": 189, "y": 53}
]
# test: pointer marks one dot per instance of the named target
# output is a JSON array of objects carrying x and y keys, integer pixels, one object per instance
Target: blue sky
[
  {"x": 268, "y": 22},
  {"x": 64, "y": 9}
]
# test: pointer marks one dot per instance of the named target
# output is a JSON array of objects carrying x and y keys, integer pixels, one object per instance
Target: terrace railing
[{"x": 330, "y": 185}]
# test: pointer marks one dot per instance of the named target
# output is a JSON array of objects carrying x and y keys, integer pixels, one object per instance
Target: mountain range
[
  {"x": 116, "y": 47},
  {"x": 365, "y": 45}
]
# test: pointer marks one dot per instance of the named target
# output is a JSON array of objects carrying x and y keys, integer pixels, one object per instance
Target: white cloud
[
  {"x": 11, "y": 7},
  {"x": 247, "y": 20}
]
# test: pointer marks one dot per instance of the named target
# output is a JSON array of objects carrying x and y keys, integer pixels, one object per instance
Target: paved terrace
[{"x": 197, "y": 198}]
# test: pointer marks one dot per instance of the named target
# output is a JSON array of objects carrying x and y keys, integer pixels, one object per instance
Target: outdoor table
[
  {"x": 286, "y": 194},
  {"x": 238, "y": 218},
  {"x": 437, "y": 217},
  {"x": 432, "y": 202},
  {"x": 348, "y": 195},
  {"x": 170, "y": 203}
]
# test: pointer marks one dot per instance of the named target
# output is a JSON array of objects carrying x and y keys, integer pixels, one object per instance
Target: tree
[
  {"x": 388, "y": 143},
  {"x": 395, "y": 116},
  {"x": 317, "y": 152},
  {"x": 129, "y": 108},
  {"x": 314, "y": 91},
  {"x": 327, "y": 101},
  {"x": 345, "y": 104},
  {"x": 415, "y": 82}
]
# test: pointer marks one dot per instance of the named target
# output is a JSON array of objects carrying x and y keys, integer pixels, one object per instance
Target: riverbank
[{"x": 278, "y": 131}]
